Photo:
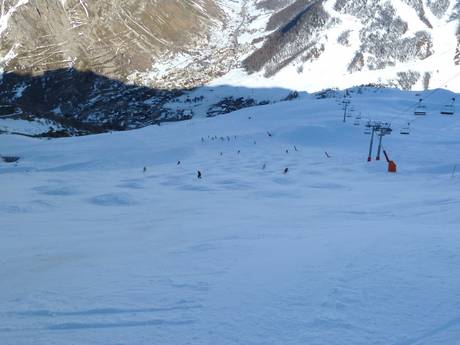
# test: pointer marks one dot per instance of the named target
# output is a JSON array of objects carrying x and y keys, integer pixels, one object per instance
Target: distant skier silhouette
[
  {"x": 145, "y": 170},
  {"x": 178, "y": 162},
  {"x": 286, "y": 171},
  {"x": 198, "y": 174}
]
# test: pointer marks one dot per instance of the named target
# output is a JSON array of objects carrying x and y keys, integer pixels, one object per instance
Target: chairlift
[
  {"x": 349, "y": 111},
  {"x": 405, "y": 130},
  {"x": 385, "y": 129},
  {"x": 448, "y": 109},
  {"x": 420, "y": 109},
  {"x": 358, "y": 119},
  {"x": 367, "y": 129}
]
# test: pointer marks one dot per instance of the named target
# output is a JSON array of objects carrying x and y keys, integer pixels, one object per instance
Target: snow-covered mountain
[
  {"x": 117, "y": 39},
  {"x": 96, "y": 250},
  {"x": 314, "y": 44},
  {"x": 125, "y": 63},
  {"x": 404, "y": 43}
]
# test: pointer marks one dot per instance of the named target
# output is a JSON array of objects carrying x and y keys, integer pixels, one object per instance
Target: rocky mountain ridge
[{"x": 120, "y": 64}]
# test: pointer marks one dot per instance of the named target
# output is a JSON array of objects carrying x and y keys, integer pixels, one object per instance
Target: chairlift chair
[
  {"x": 350, "y": 111},
  {"x": 405, "y": 130},
  {"x": 420, "y": 109},
  {"x": 448, "y": 109},
  {"x": 367, "y": 129}
]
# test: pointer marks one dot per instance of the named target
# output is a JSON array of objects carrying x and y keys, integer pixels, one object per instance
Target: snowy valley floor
[{"x": 95, "y": 251}]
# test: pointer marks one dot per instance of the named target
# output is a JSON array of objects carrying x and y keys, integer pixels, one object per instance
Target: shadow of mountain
[{"x": 83, "y": 102}]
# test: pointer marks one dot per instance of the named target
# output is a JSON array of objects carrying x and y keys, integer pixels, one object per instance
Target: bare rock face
[
  {"x": 112, "y": 38},
  {"x": 299, "y": 28},
  {"x": 187, "y": 43},
  {"x": 385, "y": 36}
]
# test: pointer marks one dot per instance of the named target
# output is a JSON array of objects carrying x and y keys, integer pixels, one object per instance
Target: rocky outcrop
[
  {"x": 385, "y": 34},
  {"x": 112, "y": 38},
  {"x": 297, "y": 36}
]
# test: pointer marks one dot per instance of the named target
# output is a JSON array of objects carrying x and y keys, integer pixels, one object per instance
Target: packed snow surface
[
  {"x": 26, "y": 127},
  {"x": 94, "y": 250}
]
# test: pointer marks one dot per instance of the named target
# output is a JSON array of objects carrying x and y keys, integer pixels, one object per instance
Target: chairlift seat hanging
[
  {"x": 405, "y": 130},
  {"x": 420, "y": 110},
  {"x": 448, "y": 109}
]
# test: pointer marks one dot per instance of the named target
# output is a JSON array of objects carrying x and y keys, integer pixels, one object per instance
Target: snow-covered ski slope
[{"x": 337, "y": 251}]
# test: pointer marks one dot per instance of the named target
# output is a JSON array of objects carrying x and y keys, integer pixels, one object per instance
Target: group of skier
[{"x": 227, "y": 138}]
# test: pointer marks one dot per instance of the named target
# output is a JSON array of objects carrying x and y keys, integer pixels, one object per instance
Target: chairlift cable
[{"x": 428, "y": 95}]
